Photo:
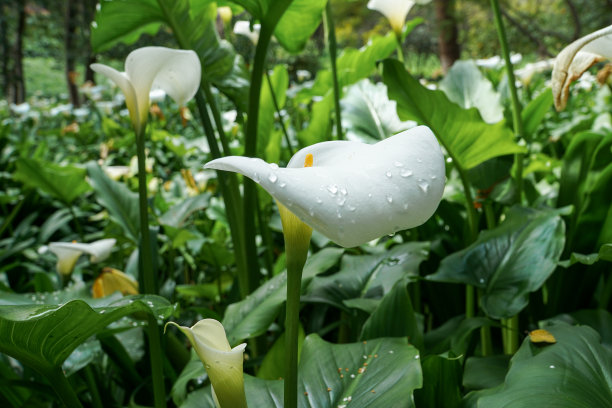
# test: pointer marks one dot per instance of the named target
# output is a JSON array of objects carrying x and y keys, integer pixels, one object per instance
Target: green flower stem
[
  {"x": 228, "y": 184},
  {"x": 90, "y": 379},
  {"x": 77, "y": 224},
  {"x": 470, "y": 304},
  {"x": 400, "y": 52},
  {"x": 292, "y": 322},
  {"x": 332, "y": 47},
  {"x": 148, "y": 274},
  {"x": 280, "y": 116},
  {"x": 297, "y": 240},
  {"x": 485, "y": 331},
  {"x": 510, "y": 338},
  {"x": 519, "y": 132},
  {"x": 216, "y": 116},
  {"x": 250, "y": 145},
  {"x": 62, "y": 387},
  {"x": 516, "y": 105}
]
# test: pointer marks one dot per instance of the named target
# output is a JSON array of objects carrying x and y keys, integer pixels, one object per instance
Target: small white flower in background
[
  {"x": 575, "y": 59},
  {"x": 69, "y": 252},
  {"x": 61, "y": 109},
  {"x": 157, "y": 95},
  {"x": 116, "y": 172},
  {"x": 395, "y": 11},
  {"x": 355, "y": 192},
  {"x": 225, "y": 13},
  {"x": 21, "y": 109},
  {"x": 244, "y": 28},
  {"x": 223, "y": 364},
  {"x": 303, "y": 75},
  {"x": 177, "y": 72}
]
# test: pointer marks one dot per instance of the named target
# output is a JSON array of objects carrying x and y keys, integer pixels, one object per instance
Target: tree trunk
[
  {"x": 70, "y": 28},
  {"x": 4, "y": 48},
  {"x": 88, "y": 12},
  {"x": 17, "y": 86},
  {"x": 448, "y": 34}
]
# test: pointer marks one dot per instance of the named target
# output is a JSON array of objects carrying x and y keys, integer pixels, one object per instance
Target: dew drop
[
  {"x": 318, "y": 200},
  {"x": 282, "y": 184},
  {"x": 333, "y": 189},
  {"x": 343, "y": 191},
  {"x": 389, "y": 198},
  {"x": 388, "y": 174},
  {"x": 340, "y": 201},
  {"x": 419, "y": 161},
  {"x": 273, "y": 166},
  {"x": 406, "y": 173},
  {"x": 272, "y": 177},
  {"x": 338, "y": 213},
  {"x": 417, "y": 357},
  {"x": 398, "y": 164},
  {"x": 481, "y": 280},
  {"x": 351, "y": 208},
  {"x": 311, "y": 212},
  {"x": 369, "y": 195},
  {"x": 423, "y": 185},
  {"x": 551, "y": 366},
  {"x": 256, "y": 177},
  {"x": 405, "y": 206},
  {"x": 433, "y": 177}
]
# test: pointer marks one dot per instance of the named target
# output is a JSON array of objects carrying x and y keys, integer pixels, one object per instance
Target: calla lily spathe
[
  {"x": 69, "y": 252},
  {"x": 395, "y": 11},
  {"x": 113, "y": 280},
  {"x": 244, "y": 28},
  {"x": 355, "y": 192},
  {"x": 576, "y": 58},
  {"x": 223, "y": 363},
  {"x": 177, "y": 72}
]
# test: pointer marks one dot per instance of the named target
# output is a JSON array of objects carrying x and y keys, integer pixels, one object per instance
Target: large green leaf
[
  {"x": 252, "y": 316},
  {"x": 273, "y": 364},
  {"x": 575, "y": 372},
  {"x": 117, "y": 198},
  {"x": 62, "y": 182},
  {"x": 465, "y": 85},
  {"x": 298, "y": 23},
  {"x": 534, "y": 112},
  {"x": 465, "y": 136},
  {"x": 394, "y": 317},
  {"x": 367, "y": 276},
  {"x": 368, "y": 115},
  {"x": 43, "y": 336},
  {"x": 508, "y": 262},
  {"x": 441, "y": 383},
  {"x": 379, "y": 373}
]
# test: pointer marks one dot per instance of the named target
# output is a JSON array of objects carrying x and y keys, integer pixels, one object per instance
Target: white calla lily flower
[
  {"x": 223, "y": 363},
  {"x": 576, "y": 58},
  {"x": 395, "y": 11},
  {"x": 244, "y": 28},
  {"x": 355, "y": 192},
  {"x": 177, "y": 72},
  {"x": 69, "y": 252}
]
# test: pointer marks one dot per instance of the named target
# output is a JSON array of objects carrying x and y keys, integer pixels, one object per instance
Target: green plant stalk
[
  {"x": 470, "y": 304},
  {"x": 292, "y": 322},
  {"x": 216, "y": 116},
  {"x": 93, "y": 387},
  {"x": 400, "y": 52},
  {"x": 62, "y": 387},
  {"x": 485, "y": 331},
  {"x": 148, "y": 274},
  {"x": 280, "y": 116},
  {"x": 517, "y": 122},
  {"x": 332, "y": 47},
  {"x": 231, "y": 197},
  {"x": 519, "y": 132},
  {"x": 250, "y": 150},
  {"x": 76, "y": 222}
]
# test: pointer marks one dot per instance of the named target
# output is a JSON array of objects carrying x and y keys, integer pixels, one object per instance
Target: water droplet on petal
[
  {"x": 423, "y": 185},
  {"x": 338, "y": 213},
  {"x": 388, "y": 174},
  {"x": 419, "y": 161},
  {"x": 282, "y": 184},
  {"x": 311, "y": 212},
  {"x": 272, "y": 177},
  {"x": 340, "y": 201},
  {"x": 369, "y": 195},
  {"x": 433, "y": 177},
  {"x": 551, "y": 366},
  {"x": 351, "y": 208},
  {"x": 318, "y": 200},
  {"x": 343, "y": 191},
  {"x": 398, "y": 164},
  {"x": 256, "y": 177},
  {"x": 406, "y": 173},
  {"x": 333, "y": 189},
  {"x": 389, "y": 198},
  {"x": 406, "y": 206}
]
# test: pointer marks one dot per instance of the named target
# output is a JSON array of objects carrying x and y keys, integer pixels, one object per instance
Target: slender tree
[
  {"x": 448, "y": 33},
  {"x": 17, "y": 90},
  {"x": 70, "y": 40}
]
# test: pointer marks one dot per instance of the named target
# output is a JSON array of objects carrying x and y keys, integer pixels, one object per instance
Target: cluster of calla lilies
[{"x": 349, "y": 191}]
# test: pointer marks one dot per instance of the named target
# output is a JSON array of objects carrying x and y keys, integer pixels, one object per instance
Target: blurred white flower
[
  {"x": 244, "y": 28},
  {"x": 69, "y": 252}
]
